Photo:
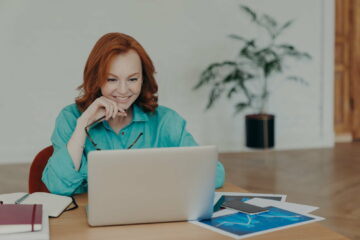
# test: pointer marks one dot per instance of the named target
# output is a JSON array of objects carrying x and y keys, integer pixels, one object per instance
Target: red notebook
[{"x": 16, "y": 218}]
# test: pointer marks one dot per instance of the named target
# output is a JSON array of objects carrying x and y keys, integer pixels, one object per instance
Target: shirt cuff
[
  {"x": 60, "y": 175},
  {"x": 220, "y": 175}
]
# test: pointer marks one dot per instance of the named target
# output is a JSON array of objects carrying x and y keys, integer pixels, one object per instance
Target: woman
[{"x": 117, "y": 109}]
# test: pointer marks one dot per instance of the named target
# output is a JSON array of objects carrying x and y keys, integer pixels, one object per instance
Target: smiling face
[{"x": 124, "y": 79}]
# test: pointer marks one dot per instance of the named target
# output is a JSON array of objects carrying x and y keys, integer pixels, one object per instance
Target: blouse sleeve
[
  {"x": 60, "y": 175},
  {"x": 180, "y": 137}
]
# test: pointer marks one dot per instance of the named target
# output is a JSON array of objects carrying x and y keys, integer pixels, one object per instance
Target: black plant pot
[{"x": 260, "y": 130}]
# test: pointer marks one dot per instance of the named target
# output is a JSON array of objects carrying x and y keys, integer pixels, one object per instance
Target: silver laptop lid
[{"x": 151, "y": 185}]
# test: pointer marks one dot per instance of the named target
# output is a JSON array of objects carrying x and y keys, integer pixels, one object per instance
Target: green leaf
[
  {"x": 234, "y": 36},
  {"x": 211, "y": 73},
  {"x": 265, "y": 21},
  {"x": 214, "y": 95},
  {"x": 291, "y": 51},
  {"x": 231, "y": 92},
  {"x": 285, "y": 26},
  {"x": 270, "y": 21},
  {"x": 267, "y": 55},
  {"x": 241, "y": 83},
  {"x": 285, "y": 47},
  {"x": 239, "y": 107},
  {"x": 233, "y": 76},
  {"x": 269, "y": 24},
  {"x": 306, "y": 55},
  {"x": 238, "y": 77},
  {"x": 298, "y": 79},
  {"x": 248, "y": 51},
  {"x": 250, "y": 12},
  {"x": 272, "y": 66},
  {"x": 230, "y": 77},
  {"x": 206, "y": 77}
]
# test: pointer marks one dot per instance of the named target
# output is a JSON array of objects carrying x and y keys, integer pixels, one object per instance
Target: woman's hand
[{"x": 101, "y": 107}]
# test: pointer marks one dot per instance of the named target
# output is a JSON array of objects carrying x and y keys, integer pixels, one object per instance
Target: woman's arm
[
  {"x": 100, "y": 107},
  {"x": 60, "y": 175},
  {"x": 76, "y": 143}
]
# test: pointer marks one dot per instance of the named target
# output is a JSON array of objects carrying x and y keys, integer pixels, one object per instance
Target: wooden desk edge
[{"x": 320, "y": 231}]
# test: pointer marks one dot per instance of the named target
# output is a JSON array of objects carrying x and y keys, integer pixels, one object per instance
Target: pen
[{"x": 22, "y": 198}]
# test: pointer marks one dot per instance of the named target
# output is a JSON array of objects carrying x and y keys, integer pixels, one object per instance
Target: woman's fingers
[
  {"x": 121, "y": 113},
  {"x": 115, "y": 109},
  {"x": 110, "y": 111},
  {"x": 109, "y": 108},
  {"x": 104, "y": 104},
  {"x": 101, "y": 113}
]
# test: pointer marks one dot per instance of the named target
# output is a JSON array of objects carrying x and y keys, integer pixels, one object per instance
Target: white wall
[{"x": 44, "y": 46}]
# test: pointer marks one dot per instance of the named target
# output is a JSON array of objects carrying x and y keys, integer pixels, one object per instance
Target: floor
[{"x": 328, "y": 178}]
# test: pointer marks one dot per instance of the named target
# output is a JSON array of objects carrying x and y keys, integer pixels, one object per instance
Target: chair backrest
[{"x": 37, "y": 168}]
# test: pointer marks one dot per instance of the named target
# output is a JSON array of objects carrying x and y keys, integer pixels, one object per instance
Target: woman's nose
[{"x": 122, "y": 87}]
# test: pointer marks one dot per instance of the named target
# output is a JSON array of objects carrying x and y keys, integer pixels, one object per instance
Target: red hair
[{"x": 95, "y": 74}]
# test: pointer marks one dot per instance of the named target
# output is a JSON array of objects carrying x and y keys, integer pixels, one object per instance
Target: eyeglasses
[
  {"x": 92, "y": 141},
  {"x": 74, "y": 205}
]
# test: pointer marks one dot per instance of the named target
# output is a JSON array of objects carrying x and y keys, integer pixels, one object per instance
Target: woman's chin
[{"x": 125, "y": 106}]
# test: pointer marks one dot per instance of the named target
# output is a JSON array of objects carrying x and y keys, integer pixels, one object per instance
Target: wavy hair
[{"x": 95, "y": 75}]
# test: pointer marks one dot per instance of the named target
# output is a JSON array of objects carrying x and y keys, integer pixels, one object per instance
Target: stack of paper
[
  {"x": 53, "y": 204},
  {"x": 15, "y": 218},
  {"x": 279, "y": 215},
  {"x": 43, "y": 234}
]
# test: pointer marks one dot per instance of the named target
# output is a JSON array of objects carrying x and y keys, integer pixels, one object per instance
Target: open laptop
[{"x": 151, "y": 185}]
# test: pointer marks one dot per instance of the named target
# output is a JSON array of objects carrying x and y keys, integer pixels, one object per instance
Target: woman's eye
[
  {"x": 112, "y": 79},
  {"x": 133, "y": 79}
]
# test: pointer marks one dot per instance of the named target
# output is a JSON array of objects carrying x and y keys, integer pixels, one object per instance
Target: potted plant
[{"x": 248, "y": 76}]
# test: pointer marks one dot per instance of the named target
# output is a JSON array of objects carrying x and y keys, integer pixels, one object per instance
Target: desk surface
[{"x": 73, "y": 225}]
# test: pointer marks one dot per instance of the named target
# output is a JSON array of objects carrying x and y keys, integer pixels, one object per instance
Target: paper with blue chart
[{"x": 240, "y": 225}]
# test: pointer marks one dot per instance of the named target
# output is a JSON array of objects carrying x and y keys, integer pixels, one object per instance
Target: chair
[{"x": 37, "y": 168}]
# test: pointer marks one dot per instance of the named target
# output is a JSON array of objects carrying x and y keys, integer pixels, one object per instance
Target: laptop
[{"x": 151, "y": 185}]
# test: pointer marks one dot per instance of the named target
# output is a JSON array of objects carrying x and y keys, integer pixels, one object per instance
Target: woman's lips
[{"x": 122, "y": 99}]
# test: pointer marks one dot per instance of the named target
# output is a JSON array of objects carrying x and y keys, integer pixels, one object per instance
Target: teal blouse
[{"x": 163, "y": 128}]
